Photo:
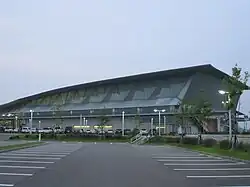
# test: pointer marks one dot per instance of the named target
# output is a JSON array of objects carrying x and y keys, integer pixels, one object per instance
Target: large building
[{"x": 137, "y": 95}]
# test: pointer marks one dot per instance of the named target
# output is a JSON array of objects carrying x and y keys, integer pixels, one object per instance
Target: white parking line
[
  {"x": 23, "y": 167},
  {"x": 7, "y": 185},
  {"x": 212, "y": 169},
  {"x": 220, "y": 176},
  {"x": 32, "y": 158},
  {"x": 193, "y": 160},
  {"x": 26, "y": 161},
  {"x": 179, "y": 155},
  {"x": 16, "y": 174},
  {"x": 166, "y": 157},
  {"x": 25, "y": 154},
  {"x": 39, "y": 152},
  {"x": 203, "y": 164}
]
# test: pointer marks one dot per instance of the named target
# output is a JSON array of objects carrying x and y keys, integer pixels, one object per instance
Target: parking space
[
  {"x": 204, "y": 169},
  {"x": 20, "y": 164}
]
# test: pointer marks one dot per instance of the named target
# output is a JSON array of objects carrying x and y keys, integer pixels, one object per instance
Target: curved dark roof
[{"x": 207, "y": 68}]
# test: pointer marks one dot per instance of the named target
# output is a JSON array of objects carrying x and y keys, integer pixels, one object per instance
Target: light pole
[
  {"x": 159, "y": 115},
  {"x": 123, "y": 120},
  {"x": 31, "y": 120},
  {"x": 152, "y": 123},
  {"x": 164, "y": 122},
  {"x": 39, "y": 125},
  {"x": 81, "y": 120},
  {"x": 16, "y": 121},
  {"x": 222, "y": 92},
  {"x": 84, "y": 121}
]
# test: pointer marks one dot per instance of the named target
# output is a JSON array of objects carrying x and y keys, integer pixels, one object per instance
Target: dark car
[{"x": 68, "y": 129}]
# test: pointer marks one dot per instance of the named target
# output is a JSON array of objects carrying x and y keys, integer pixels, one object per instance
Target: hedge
[{"x": 209, "y": 142}]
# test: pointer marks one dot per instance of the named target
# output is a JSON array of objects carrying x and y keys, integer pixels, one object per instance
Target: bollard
[{"x": 39, "y": 137}]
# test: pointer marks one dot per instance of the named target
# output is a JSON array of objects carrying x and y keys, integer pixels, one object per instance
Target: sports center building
[{"x": 84, "y": 104}]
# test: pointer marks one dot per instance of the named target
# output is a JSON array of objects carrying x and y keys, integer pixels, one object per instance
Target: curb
[
  {"x": 21, "y": 147},
  {"x": 217, "y": 155}
]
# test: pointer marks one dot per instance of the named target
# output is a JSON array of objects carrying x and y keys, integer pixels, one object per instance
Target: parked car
[
  {"x": 2, "y": 129},
  {"x": 25, "y": 130},
  {"x": 16, "y": 130},
  {"x": 47, "y": 130},
  {"x": 144, "y": 131},
  {"x": 58, "y": 130},
  {"x": 68, "y": 129},
  {"x": 34, "y": 130},
  {"x": 40, "y": 130},
  {"x": 8, "y": 129}
]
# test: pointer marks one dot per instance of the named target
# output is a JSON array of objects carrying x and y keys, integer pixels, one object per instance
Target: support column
[{"x": 218, "y": 124}]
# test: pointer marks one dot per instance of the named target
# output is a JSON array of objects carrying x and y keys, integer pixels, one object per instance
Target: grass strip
[{"x": 20, "y": 146}]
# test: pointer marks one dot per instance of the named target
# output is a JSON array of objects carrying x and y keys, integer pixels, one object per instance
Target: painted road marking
[
  {"x": 219, "y": 176},
  {"x": 32, "y": 158},
  {"x": 177, "y": 155},
  {"x": 26, "y": 161},
  {"x": 203, "y": 164},
  {"x": 25, "y": 154},
  {"x": 212, "y": 169},
  {"x": 166, "y": 157},
  {"x": 39, "y": 152},
  {"x": 16, "y": 174},
  {"x": 23, "y": 167},
  {"x": 7, "y": 185},
  {"x": 193, "y": 160}
]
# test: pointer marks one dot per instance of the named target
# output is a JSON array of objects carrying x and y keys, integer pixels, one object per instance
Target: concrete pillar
[{"x": 218, "y": 124}]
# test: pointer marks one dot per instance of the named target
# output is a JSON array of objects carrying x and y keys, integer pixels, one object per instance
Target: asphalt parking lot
[
  {"x": 117, "y": 164},
  {"x": 16, "y": 166},
  {"x": 199, "y": 168}
]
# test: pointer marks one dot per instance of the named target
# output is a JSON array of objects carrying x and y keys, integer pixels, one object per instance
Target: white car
[
  {"x": 143, "y": 131},
  {"x": 16, "y": 130},
  {"x": 110, "y": 132},
  {"x": 58, "y": 130},
  {"x": 47, "y": 130},
  {"x": 7, "y": 129},
  {"x": 25, "y": 130},
  {"x": 34, "y": 130},
  {"x": 40, "y": 130}
]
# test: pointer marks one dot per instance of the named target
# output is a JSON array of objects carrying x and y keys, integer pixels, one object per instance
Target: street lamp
[
  {"x": 81, "y": 120},
  {"x": 152, "y": 123},
  {"x": 159, "y": 113},
  {"x": 84, "y": 121},
  {"x": 222, "y": 92},
  {"x": 164, "y": 122},
  {"x": 39, "y": 125},
  {"x": 16, "y": 121},
  {"x": 31, "y": 120},
  {"x": 123, "y": 120}
]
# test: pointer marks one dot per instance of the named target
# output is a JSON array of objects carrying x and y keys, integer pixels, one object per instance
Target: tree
[
  {"x": 235, "y": 85},
  {"x": 197, "y": 112},
  {"x": 104, "y": 120}
]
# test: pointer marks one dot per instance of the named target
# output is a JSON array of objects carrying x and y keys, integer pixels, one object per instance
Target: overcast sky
[{"x": 52, "y": 43}]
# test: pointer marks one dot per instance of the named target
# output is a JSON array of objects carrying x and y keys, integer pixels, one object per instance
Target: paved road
[{"x": 112, "y": 165}]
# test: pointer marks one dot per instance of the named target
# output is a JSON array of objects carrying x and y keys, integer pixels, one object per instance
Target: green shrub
[
  {"x": 27, "y": 136},
  {"x": 14, "y": 137},
  {"x": 190, "y": 140},
  {"x": 172, "y": 139},
  {"x": 156, "y": 139},
  {"x": 209, "y": 142},
  {"x": 225, "y": 144},
  {"x": 243, "y": 147}
]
